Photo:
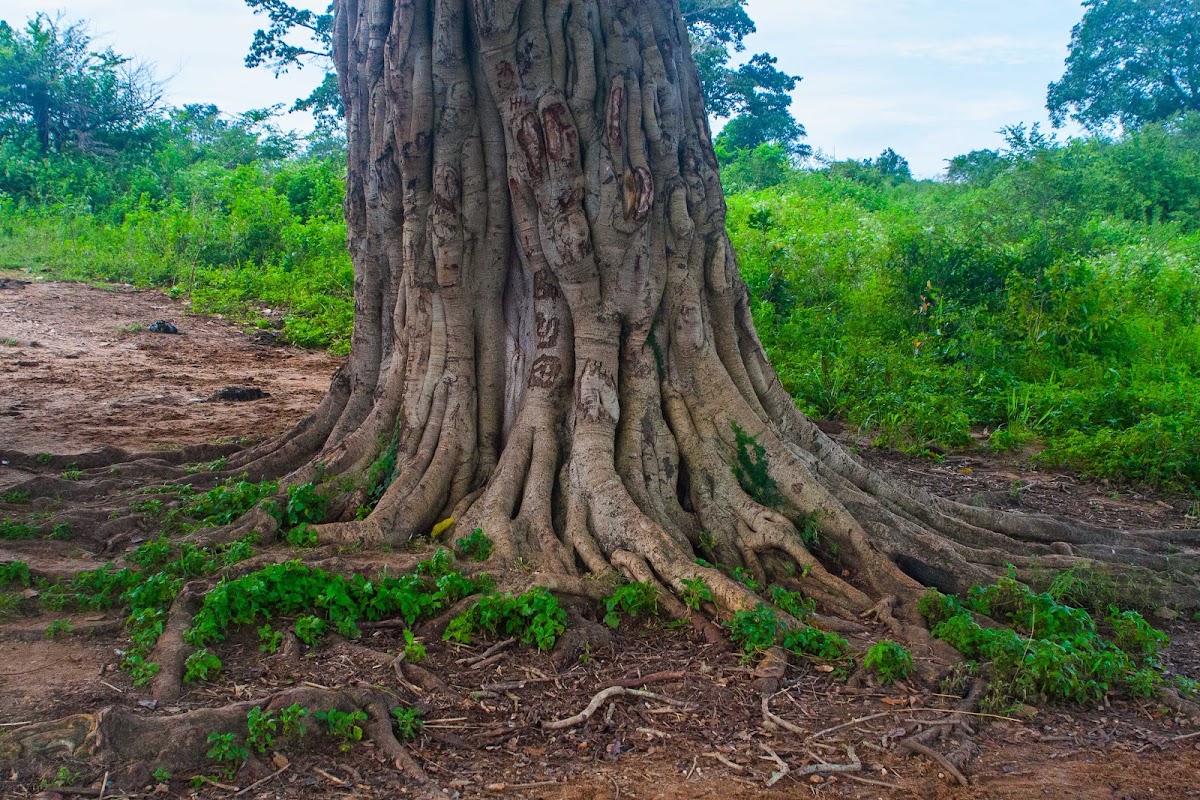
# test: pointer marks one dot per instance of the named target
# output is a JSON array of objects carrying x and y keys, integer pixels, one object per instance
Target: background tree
[
  {"x": 296, "y": 38},
  {"x": 57, "y": 88},
  {"x": 1130, "y": 62},
  {"x": 755, "y": 97}
]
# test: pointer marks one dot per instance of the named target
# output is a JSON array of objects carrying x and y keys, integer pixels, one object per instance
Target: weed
[
  {"x": 890, "y": 661},
  {"x": 64, "y": 777},
  {"x": 133, "y": 327},
  {"x": 708, "y": 544},
  {"x": 17, "y": 531},
  {"x": 60, "y": 532},
  {"x": 10, "y": 342},
  {"x": 476, "y": 547},
  {"x": 695, "y": 592},
  {"x": 227, "y": 753},
  {"x": 414, "y": 651},
  {"x": 161, "y": 775},
  {"x": 816, "y": 643},
  {"x": 261, "y": 728},
  {"x": 752, "y": 470},
  {"x": 302, "y": 536},
  {"x": 534, "y": 617},
  {"x": 309, "y": 629},
  {"x": 151, "y": 508},
  {"x": 755, "y": 631},
  {"x": 632, "y": 600},
  {"x": 15, "y": 498},
  {"x": 59, "y": 627},
  {"x": 292, "y": 720},
  {"x": 72, "y": 473},
  {"x": 408, "y": 722},
  {"x": 14, "y": 572},
  {"x": 745, "y": 577},
  {"x": 343, "y": 726},
  {"x": 269, "y": 639},
  {"x": 141, "y": 671},
  {"x": 44, "y": 459},
  {"x": 441, "y": 563},
  {"x": 228, "y": 502},
  {"x": 793, "y": 603},
  {"x": 201, "y": 666}
]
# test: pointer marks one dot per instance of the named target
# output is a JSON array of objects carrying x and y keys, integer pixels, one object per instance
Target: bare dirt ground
[{"x": 86, "y": 384}]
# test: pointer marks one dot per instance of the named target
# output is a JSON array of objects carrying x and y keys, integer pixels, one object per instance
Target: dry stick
[
  {"x": 855, "y": 765},
  {"x": 270, "y": 777},
  {"x": 486, "y": 654},
  {"x": 1185, "y": 736},
  {"x": 871, "y": 781},
  {"x": 732, "y": 765},
  {"x": 599, "y": 700},
  {"x": 784, "y": 769},
  {"x": 851, "y": 723},
  {"x": 657, "y": 677},
  {"x": 779, "y": 721},
  {"x": 926, "y": 750},
  {"x": 103, "y": 784}
]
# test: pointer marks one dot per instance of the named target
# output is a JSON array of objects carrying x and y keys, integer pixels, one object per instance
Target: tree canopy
[
  {"x": 754, "y": 97},
  {"x": 58, "y": 88},
  {"x": 1130, "y": 62}
]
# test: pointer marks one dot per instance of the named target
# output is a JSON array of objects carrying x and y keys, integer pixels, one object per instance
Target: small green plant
[
  {"x": 292, "y": 720},
  {"x": 309, "y": 629},
  {"x": 17, "y": 531},
  {"x": 708, "y": 544},
  {"x": 64, "y": 777},
  {"x": 793, "y": 603},
  {"x": 269, "y": 639},
  {"x": 161, "y": 775},
  {"x": 408, "y": 722},
  {"x": 44, "y": 459},
  {"x": 755, "y": 631},
  {"x": 59, "y": 627},
  {"x": 439, "y": 564},
  {"x": 889, "y": 660},
  {"x": 229, "y": 755},
  {"x": 343, "y": 726},
  {"x": 632, "y": 600},
  {"x": 303, "y": 536},
  {"x": 261, "y": 727},
  {"x": 752, "y": 470},
  {"x": 60, "y": 532},
  {"x": 14, "y": 572},
  {"x": 151, "y": 508},
  {"x": 72, "y": 473},
  {"x": 133, "y": 327},
  {"x": 534, "y": 617},
  {"x": 815, "y": 643},
  {"x": 414, "y": 651},
  {"x": 745, "y": 577},
  {"x": 476, "y": 547},
  {"x": 10, "y": 342},
  {"x": 141, "y": 671},
  {"x": 201, "y": 665},
  {"x": 695, "y": 592},
  {"x": 15, "y": 498}
]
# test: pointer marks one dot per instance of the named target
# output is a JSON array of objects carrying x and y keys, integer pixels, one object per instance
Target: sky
[{"x": 929, "y": 78}]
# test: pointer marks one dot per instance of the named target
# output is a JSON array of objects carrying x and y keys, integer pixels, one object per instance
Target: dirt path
[
  {"x": 78, "y": 371},
  {"x": 85, "y": 383}
]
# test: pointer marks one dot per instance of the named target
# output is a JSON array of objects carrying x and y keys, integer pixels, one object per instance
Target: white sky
[{"x": 930, "y": 78}]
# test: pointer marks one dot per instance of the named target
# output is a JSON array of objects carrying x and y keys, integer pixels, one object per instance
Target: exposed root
[{"x": 598, "y": 702}]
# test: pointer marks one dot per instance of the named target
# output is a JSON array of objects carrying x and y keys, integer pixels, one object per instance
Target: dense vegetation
[{"x": 1046, "y": 292}]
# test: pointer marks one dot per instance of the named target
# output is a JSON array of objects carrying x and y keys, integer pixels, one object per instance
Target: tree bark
[{"x": 552, "y": 330}]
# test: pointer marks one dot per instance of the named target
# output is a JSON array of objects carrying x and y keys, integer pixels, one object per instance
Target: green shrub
[
  {"x": 343, "y": 726},
  {"x": 408, "y": 722},
  {"x": 476, "y": 547},
  {"x": 201, "y": 666},
  {"x": 632, "y": 600},
  {"x": 889, "y": 660},
  {"x": 534, "y": 618}
]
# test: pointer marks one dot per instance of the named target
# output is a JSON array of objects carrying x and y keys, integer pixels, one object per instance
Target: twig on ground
[
  {"x": 784, "y": 769},
  {"x": 486, "y": 654},
  {"x": 850, "y": 724},
  {"x": 657, "y": 677},
  {"x": 267, "y": 779},
  {"x": 926, "y": 750},
  {"x": 600, "y": 699},
  {"x": 855, "y": 765},
  {"x": 731, "y": 764},
  {"x": 779, "y": 721}
]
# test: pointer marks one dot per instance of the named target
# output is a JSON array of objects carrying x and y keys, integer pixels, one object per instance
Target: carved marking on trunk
[
  {"x": 506, "y": 76},
  {"x": 616, "y": 113},
  {"x": 561, "y": 137},
  {"x": 639, "y": 194},
  {"x": 598, "y": 400},
  {"x": 529, "y": 140},
  {"x": 548, "y": 328},
  {"x": 544, "y": 286},
  {"x": 545, "y": 372}
]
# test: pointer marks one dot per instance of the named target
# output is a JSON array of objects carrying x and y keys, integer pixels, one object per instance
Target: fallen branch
[
  {"x": 267, "y": 779},
  {"x": 778, "y": 721},
  {"x": 599, "y": 700},
  {"x": 657, "y": 677},
  {"x": 850, "y": 724},
  {"x": 784, "y": 769},
  {"x": 926, "y": 750},
  {"x": 486, "y": 654}
]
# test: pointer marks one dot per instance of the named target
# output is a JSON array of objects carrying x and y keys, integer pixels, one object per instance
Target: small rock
[
  {"x": 1026, "y": 712},
  {"x": 1167, "y": 614},
  {"x": 240, "y": 394},
  {"x": 162, "y": 326}
]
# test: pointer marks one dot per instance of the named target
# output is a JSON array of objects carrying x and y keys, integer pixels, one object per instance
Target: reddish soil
[{"x": 90, "y": 385}]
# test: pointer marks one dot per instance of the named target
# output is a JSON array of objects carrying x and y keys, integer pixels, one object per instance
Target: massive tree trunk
[{"x": 552, "y": 332}]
